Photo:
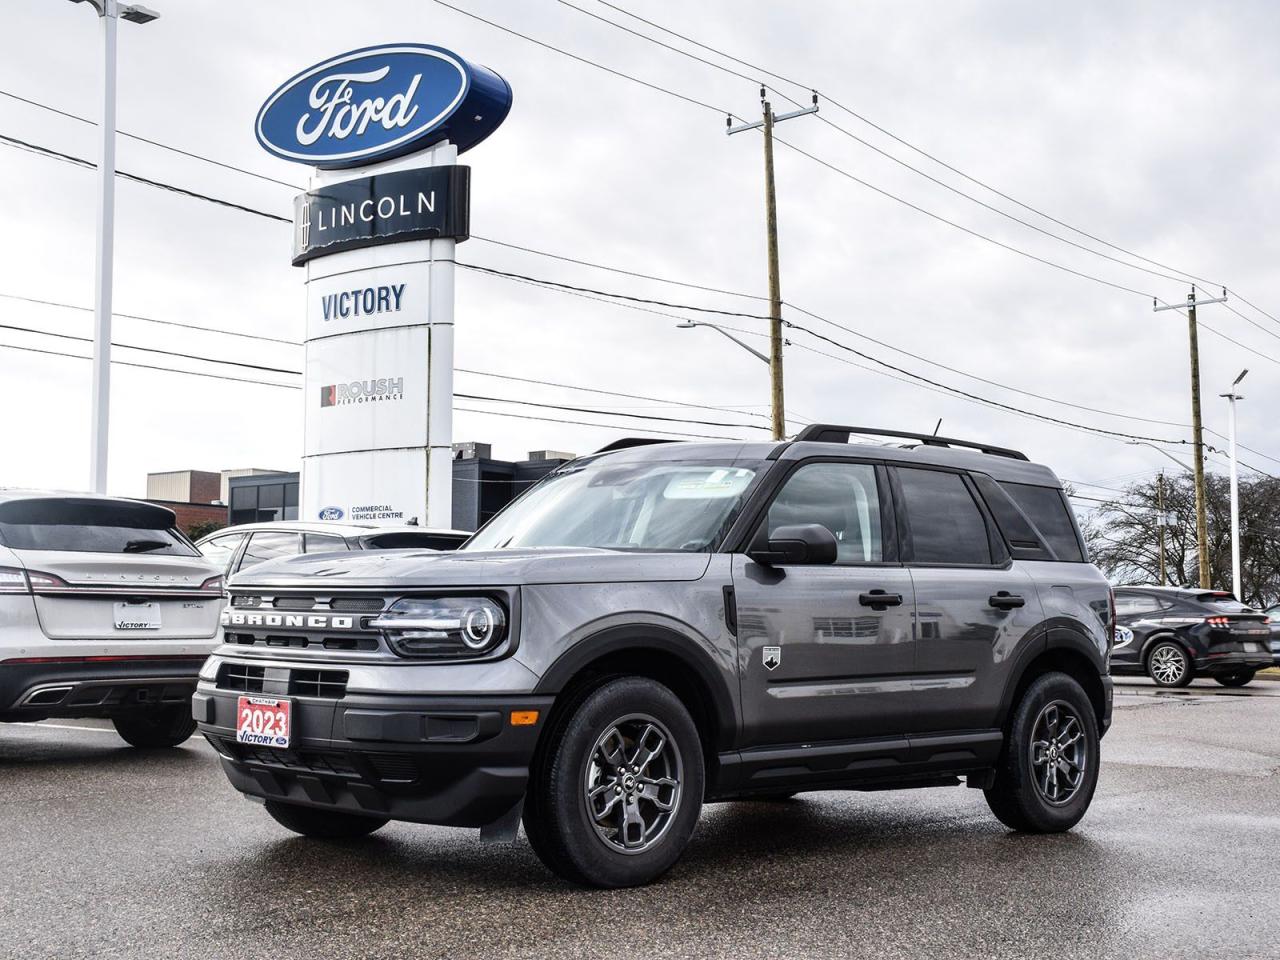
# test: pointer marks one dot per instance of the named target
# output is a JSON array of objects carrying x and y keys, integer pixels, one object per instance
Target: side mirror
[{"x": 800, "y": 543}]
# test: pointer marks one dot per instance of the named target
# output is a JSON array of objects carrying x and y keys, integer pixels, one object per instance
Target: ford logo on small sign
[
  {"x": 381, "y": 102},
  {"x": 331, "y": 513}
]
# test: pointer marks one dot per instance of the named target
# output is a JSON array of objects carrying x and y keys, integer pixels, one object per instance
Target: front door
[{"x": 826, "y": 651}]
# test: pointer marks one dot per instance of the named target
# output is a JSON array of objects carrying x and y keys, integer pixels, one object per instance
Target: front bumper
[
  {"x": 103, "y": 686},
  {"x": 449, "y": 760}
]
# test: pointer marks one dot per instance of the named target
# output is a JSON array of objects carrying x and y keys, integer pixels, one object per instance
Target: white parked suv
[{"x": 106, "y": 610}]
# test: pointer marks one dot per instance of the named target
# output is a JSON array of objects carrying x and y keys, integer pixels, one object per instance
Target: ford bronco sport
[{"x": 664, "y": 624}]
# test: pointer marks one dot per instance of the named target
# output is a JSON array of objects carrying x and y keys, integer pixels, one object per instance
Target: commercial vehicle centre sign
[{"x": 382, "y": 127}]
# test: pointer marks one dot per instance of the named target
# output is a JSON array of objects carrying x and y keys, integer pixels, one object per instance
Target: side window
[
  {"x": 843, "y": 497},
  {"x": 945, "y": 523},
  {"x": 219, "y": 550},
  {"x": 1136, "y": 605},
  {"x": 268, "y": 545},
  {"x": 324, "y": 543},
  {"x": 1048, "y": 510}
]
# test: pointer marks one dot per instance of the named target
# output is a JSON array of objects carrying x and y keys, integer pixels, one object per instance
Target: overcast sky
[{"x": 1148, "y": 125}]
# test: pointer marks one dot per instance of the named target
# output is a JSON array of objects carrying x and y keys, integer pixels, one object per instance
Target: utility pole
[
  {"x": 1197, "y": 430},
  {"x": 109, "y": 11},
  {"x": 1236, "y": 586},
  {"x": 777, "y": 415},
  {"x": 1160, "y": 514}
]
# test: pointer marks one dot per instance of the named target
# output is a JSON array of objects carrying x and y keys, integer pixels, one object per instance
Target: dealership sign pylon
[{"x": 376, "y": 232}]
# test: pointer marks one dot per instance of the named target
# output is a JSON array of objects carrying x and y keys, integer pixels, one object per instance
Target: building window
[{"x": 244, "y": 504}]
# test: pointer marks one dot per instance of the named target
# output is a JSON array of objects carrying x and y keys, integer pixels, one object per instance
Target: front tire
[
  {"x": 1048, "y": 769},
  {"x": 616, "y": 795},
  {"x": 156, "y": 729},
  {"x": 1169, "y": 666},
  {"x": 323, "y": 824},
  {"x": 1240, "y": 678}
]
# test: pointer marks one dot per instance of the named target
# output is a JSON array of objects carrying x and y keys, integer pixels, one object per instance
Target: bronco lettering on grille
[{"x": 310, "y": 621}]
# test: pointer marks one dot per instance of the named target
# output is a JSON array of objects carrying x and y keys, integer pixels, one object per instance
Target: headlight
[{"x": 444, "y": 628}]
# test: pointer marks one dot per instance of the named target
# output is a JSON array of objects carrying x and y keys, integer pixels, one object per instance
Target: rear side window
[
  {"x": 84, "y": 525},
  {"x": 1136, "y": 604},
  {"x": 1048, "y": 510},
  {"x": 324, "y": 543},
  {"x": 268, "y": 545},
  {"x": 944, "y": 522}
]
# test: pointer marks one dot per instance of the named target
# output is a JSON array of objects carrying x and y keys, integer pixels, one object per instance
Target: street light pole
[
  {"x": 690, "y": 324},
  {"x": 109, "y": 12},
  {"x": 1232, "y": 397}
]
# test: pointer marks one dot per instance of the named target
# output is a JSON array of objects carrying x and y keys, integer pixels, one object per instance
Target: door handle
[
  {"x": 1004, "y": 600},
  {"x": 879, "y": 600}
]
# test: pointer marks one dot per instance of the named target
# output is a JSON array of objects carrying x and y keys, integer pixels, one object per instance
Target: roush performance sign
[{"x": 428, "y": 203}]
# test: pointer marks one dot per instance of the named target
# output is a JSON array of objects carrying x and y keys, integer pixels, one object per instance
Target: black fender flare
[
  {"x": 1049, "y": 637},
  {"x": 643, "y": 638}
]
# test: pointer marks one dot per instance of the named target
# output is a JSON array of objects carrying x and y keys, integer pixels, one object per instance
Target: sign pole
[{"x": 105, "y": 256}]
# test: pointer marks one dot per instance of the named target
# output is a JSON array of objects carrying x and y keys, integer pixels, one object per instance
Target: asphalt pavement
[{"x": 105, "y": 852}]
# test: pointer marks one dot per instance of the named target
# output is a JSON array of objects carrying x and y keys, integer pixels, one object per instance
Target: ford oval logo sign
[
  {"x": 331, "y": 513},
  {"x": 381, "y": 102}
]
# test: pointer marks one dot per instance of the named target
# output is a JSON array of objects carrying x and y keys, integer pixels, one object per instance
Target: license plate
[
  {"x": 1253, "y": 648},
  {"x": 137, "y": 616},
  {"x": 263, "y": 721}
]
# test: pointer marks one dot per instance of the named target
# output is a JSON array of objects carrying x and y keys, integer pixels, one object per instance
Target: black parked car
[
  {"x": 1174, "y": 634},
  {"x": 1273, "y": 612}
]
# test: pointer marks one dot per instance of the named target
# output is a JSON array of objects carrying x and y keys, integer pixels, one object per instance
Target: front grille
[
  {"x": 294, "y": 603},
  {"x": 330, "y": 684},
  {"x": 327, "y": 643},
  {"x": 238, "y": 600},
  {"x": 357, "y": 604},
  {"x": 242, "y": 677}
]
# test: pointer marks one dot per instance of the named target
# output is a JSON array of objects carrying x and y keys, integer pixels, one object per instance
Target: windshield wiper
[{"x": 142, "y": 546}]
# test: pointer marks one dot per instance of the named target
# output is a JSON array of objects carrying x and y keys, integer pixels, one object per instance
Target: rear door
[
  {"x": 973, "y": 607},
  {"x": 111, "y": 570},
  {"x": 820, "y": 657}
]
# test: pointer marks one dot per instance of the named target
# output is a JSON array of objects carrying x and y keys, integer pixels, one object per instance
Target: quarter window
[
  {"x": 268, "y": 545},
  {"x": 843, "y": 498},
  {"x": 1135, "y": 605},
  {"x": 945, "y": 523},
  {"x": 218, "y": 551},
  {"x": 1048, "y": 510},
  {"x": 324, "y": 543}
]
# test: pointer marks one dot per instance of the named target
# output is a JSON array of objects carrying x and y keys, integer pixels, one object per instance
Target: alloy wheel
[
  {"x": 632, "y": 786},
  {"x": 1168, "y": 664},
  {"x": 1059, "y": 752}
]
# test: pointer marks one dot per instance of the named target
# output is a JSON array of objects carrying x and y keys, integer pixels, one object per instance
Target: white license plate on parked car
[
  {"x": 137, "y": 616},
  {"x": 263, "y": 721},
  {"x": 1253, "y": 648}
]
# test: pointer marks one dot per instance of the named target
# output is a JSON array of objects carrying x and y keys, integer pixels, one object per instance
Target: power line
[
  {"x": 154, "y": 143},
  {"x": 615, "y": 413},
  {"x": 628, "y": 273},
  {"x": 156, "y": 350},
  {"x": 88, "y": 164},
  {"x": 148, "y": 366},
  {"x": 893, "y": 136},
  {"x": 167, "y": 323},
  {"x": 574, "y": 56},
  {"x": 604, "y": 426}
]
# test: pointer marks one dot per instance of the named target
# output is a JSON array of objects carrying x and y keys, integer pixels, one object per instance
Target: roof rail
[
  {"x": 627, "y": 443},
  {"x": 833, "y": 433}
]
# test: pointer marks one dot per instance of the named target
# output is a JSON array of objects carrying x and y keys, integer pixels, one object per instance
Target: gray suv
[{"x": 661, "y": 625}]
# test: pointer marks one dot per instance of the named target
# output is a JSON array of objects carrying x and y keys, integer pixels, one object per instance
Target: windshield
[{"x": 649, "y": 505}]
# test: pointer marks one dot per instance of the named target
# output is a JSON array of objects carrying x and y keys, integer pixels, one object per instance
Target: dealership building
[{"x": 482, "y": 486}]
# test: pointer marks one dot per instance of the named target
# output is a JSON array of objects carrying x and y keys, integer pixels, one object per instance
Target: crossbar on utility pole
[
  {"x": 776, "y": 401},
  {"x": 1197, "y": 428}
]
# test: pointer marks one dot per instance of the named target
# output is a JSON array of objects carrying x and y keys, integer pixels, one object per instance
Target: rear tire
[
  {"x": 156, "y": 729},
  {"x": 1169, "y": 665},
  {"x": 1240, "y": 678},
  {"x": 1048, "y": 768},
  {"x": 615, "y": 797},
  {"x": 323, "y": 824}
]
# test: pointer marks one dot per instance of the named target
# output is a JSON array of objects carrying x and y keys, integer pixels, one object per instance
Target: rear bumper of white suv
[{"x": 37, "y": 688}]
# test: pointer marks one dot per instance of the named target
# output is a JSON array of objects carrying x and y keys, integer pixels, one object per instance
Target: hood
[{"x": 425, "y": 568}]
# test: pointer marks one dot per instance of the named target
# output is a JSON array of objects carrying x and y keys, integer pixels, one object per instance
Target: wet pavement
[{"x": 108, "y": 853}]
